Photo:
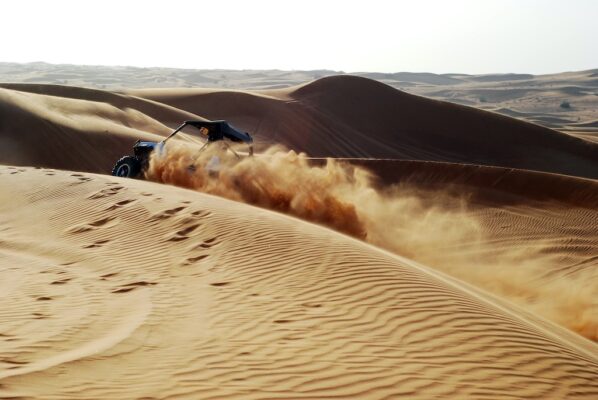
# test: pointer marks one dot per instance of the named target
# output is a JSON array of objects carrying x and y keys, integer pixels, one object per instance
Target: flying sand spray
[{"x": 343, "y": 197}]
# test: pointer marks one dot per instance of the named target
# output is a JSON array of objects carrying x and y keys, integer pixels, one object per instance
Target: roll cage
[{"x": 217, "y": 130}]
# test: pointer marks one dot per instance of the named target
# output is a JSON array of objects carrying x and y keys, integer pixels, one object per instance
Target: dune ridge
[
  {"x": 324, "y": 118},
  {"x": 76, "y": 128},
  {"x": 298, "y": 319},
  {"x": 347, "y": 116},
  {"x": 532, "y": 98}
]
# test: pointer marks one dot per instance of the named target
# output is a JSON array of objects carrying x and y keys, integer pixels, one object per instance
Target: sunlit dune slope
[
  {"x": 530, "y": 237},
  {"x": 483, "y": 184},
  {"x": 76, "y": 128},
  {"x": 348, "y": 116},
  {"x": 538, "y": 241},
  {"x": 128, "y": 289}
]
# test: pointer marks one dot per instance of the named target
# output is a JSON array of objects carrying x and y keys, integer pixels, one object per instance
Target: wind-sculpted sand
[
  {"x": 438, "y": 229},
  {"x": 140, "y": 290},
  {"x": 439, "y": 258}
]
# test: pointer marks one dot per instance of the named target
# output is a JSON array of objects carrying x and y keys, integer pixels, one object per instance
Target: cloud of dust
[{"x": 438, "y": 231}]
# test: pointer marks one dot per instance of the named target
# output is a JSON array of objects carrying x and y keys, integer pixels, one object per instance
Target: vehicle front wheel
[{"x": 127, "y": 167}]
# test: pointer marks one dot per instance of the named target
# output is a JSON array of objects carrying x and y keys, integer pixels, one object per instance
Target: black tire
[{"x": 127, "y": 167}]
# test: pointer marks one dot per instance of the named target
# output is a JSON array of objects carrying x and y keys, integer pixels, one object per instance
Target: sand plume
[
  {"x": 278, "y": 180},
  {"x": 438, "y": 230}
]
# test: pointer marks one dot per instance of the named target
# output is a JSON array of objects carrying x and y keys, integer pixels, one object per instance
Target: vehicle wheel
[{"x": 127, "y": 167}]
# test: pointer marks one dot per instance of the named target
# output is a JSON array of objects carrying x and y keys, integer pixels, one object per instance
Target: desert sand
[{"x": 416, "y": 249}]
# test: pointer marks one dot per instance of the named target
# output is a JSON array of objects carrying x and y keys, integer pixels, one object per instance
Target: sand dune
[
  {"x": 470, "y": 273},
  {"x": 347, "y": 116},
  {"x": 76, "y": 128},
  {"x": 62, "y": 127},
  {"x": 146, "y": 291},
  {"x": 326, "y": 118},
  {"x": 525, "y": 94},
  {"x": 482, "y": 184},
  {"x": 478, "y": 226}
]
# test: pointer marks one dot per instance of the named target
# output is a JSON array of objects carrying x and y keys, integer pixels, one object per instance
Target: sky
[{"x": 440, "y": 36}]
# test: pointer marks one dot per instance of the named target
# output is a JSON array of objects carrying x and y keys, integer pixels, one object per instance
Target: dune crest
[{"x": 350, "y": 116}]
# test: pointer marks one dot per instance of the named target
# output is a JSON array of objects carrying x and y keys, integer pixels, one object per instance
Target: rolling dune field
[{"x": 380, "y": 244}]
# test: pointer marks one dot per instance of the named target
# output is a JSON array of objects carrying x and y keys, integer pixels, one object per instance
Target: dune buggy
[{"x": 133, "y": 166}]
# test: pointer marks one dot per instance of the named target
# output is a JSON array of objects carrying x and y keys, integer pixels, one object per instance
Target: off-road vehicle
[{"x": 213, "y": 131}]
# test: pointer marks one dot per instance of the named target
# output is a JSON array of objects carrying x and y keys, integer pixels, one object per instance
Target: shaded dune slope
[
  {"x": 347, "y": 116},
  {"x": 340, "y": 116},
  {"x": 516, "y": 208},
  {"x": 484, "y": 184},
  {"x": 143, "y": 290}
]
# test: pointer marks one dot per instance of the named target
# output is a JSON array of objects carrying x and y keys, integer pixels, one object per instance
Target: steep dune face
[
  {"x": 347, "y": 116},
  {"x": 144, "y": 290},
  {"x": 340, "y": 116},
  {"x": 158, "y": 111},
  {"x": 75, "y": 128}
]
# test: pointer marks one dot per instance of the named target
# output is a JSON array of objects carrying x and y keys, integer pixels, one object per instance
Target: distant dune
[
  {"x": 348, "y": 116},
  {"x": 538, "y": 98},
  {"x": 326, "y": 118}
]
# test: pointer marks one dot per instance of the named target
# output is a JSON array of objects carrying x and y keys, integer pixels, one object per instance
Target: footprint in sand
[
  {"x": 200, "y": 213},
  {"x": 96, "y": 244},
  {"x": 110, "y": 191},
  {"x": 208, "y": 243},
  {"x": 132, "y": 286},
  {"x": 183, "y": 234},
  {"x": 80, "y": 179},
  {"x": 109, "y": 275},
  {"x": 194, "y": 260},
  {"x": 197, "y": 258},
  {"x": 219, "y": 284},
  {"x": 119, "y": 204},
  {"x": 60, "y": 282},
  {"x": 14, "y": 363},
  {"x": 100, "y": 223},
  {"x": 167, "y": 213}
]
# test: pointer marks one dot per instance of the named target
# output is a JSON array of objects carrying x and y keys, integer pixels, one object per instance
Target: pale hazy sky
[{"x": 469, "y": 36}]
